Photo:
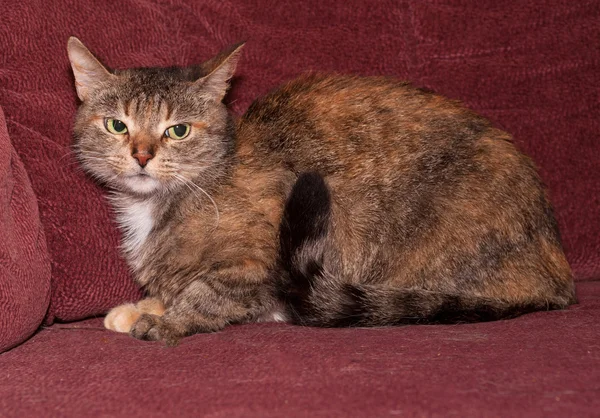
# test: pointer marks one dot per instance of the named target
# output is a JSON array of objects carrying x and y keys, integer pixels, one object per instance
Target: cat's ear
[
  {"x": 220, "y": 70},
  {"x": 88, "y": 71}
]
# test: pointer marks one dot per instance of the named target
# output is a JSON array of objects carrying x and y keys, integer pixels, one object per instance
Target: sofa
[{"x": 533, "y": 68}]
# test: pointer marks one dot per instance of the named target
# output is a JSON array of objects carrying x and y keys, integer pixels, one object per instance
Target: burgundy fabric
[
  {"x": 24, "y": 261},
  {"x": 545, "y": 364},
  {"x": 532, "y": 67}
]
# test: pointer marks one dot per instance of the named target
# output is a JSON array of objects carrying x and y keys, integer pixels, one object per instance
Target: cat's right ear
[{"x": 88, "y": 71}]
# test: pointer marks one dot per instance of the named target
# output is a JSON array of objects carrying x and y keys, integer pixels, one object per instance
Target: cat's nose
[{"x": 142, "y": 157}]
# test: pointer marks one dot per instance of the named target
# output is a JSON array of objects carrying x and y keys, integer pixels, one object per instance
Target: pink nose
[{"x": 142, "y": 157}]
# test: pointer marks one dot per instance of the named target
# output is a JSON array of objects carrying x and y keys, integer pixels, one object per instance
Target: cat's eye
[
  {"x": 115, "y": 126},
  {"x": 178, "y": 131}
]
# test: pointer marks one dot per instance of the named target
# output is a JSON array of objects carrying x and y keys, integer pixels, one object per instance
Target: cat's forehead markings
[
  {"x": 127, "y": 107},
  {"x": 138, "y": 103},
  {"x": 169, "y": 110},
  {"x": 149, "y": 111}
]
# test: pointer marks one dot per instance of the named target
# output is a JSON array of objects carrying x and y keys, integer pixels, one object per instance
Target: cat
[{"x": 335, "y": 200}]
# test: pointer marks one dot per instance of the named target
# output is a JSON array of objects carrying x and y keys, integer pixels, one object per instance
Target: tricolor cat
[{"x": 333, "y": 201}]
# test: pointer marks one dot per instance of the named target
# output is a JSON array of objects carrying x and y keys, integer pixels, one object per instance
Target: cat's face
[{"x": 151, "y": 129}]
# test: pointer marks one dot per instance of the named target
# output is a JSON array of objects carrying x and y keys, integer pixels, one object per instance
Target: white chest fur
[{"x": 136, "y": 220}]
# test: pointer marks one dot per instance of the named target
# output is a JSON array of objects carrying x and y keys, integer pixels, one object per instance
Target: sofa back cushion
[
  {"x": 531, "y": 68},
  {"x": 24, "y": 261}
]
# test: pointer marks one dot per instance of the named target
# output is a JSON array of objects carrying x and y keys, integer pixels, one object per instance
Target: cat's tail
[{"x": 313, "y": 298}]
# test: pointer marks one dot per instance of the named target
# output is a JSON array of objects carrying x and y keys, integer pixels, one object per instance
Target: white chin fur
[{"x": 141, "y": 184}]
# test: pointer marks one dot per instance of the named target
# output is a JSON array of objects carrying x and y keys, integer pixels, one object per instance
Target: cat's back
[{"x": 336, "y": 123}]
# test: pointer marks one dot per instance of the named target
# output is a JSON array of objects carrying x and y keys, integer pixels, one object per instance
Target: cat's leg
[
  {"x": 121, "y": 318},
  {"x": 204, "y": 306}
]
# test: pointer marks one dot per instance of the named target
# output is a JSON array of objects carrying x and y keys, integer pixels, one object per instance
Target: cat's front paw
[
  {"x": 121, "y": 318},
  {"x": 150, "y": 327}
]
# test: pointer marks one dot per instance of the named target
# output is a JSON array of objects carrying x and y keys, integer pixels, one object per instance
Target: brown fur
[{"x": 420, "y": 210}]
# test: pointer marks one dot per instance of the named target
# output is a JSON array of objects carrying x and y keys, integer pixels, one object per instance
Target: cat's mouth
[
  {"x": 138, "y": 175},
  {"x": 141, "y": 182}
]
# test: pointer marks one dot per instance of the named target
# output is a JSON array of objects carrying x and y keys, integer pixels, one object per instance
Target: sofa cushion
[
  {"x": 24, "y": 262},
  {"x": 545, "y": 364},
  {"x": 530, "y": 68}
]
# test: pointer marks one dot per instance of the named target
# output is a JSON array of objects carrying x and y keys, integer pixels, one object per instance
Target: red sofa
[{"x": 531, "y": 67}]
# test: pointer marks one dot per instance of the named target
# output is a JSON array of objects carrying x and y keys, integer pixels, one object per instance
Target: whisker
[
  {"x": 68, "y": 154},
  {"x": 189, "y": 184}
]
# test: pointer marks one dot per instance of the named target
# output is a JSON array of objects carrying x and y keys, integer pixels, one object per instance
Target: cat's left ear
[
  {"x": 222, "y": 67},
  {"x": 88, "y": 71}
]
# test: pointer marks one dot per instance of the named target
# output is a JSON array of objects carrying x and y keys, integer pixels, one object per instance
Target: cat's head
[{"x": 148, "y": 130}]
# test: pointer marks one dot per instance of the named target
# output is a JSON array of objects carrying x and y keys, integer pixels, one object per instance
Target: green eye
[
  {"x": 115, "y": 126},
  {"x": 178, "y": 131}
]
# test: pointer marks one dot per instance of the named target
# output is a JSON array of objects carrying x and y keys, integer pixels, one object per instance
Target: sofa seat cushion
[{"x": 542, "y": 364}]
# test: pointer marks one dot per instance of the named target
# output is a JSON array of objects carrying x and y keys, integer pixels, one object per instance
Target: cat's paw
[
  {"x": 150, "y": 327},
  {"x": 121, "y": 318}
]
